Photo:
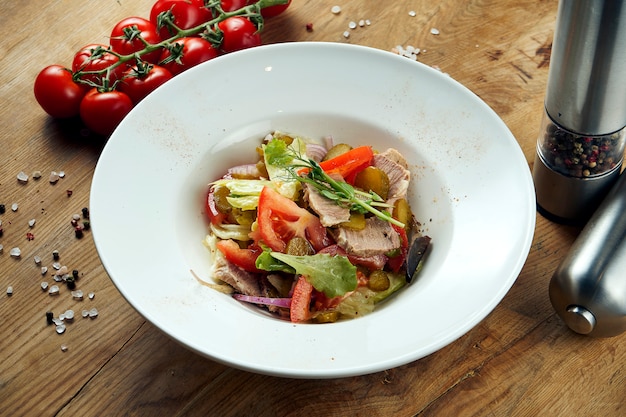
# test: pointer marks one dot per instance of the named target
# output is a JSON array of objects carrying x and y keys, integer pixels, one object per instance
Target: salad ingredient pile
[
  {"x": 104, "y": 82},
  {"x": 314, "y": 233}
]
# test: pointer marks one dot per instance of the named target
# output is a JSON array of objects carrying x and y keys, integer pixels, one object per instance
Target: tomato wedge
[
  {"x": 396, "y": 262},
  {"x": 300, "y": 301},
  {"x": 280, "y": 219},
  {"x": 243, "y": 258}
]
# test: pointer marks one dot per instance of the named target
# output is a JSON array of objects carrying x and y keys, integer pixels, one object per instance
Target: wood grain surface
[{"x": 519, "y": 361}]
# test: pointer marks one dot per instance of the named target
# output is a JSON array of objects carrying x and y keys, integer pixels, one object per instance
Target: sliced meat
[
  {"x": 244, "y": 282},
  {"x": 392, "y": 163},
  {"x": 329, "y": 212},
  {"x": 377, "y": 238}
]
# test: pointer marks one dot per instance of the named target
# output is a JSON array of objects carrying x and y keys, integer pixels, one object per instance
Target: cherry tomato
[
  {"x": 140, "y": 80},
  {"x": 272, "y": 11},
  {"x": 57, "y": 93},
  {"x": 96, "y": 57},
  {"x": 186, "y": 53},
  {"x": 232, "y": 5},
  {"x": 102, "y": 112},
  {"x": 186, "y": 14},
  {"x": 127, "y": 35},
  {"x": 239, "y": 33}
]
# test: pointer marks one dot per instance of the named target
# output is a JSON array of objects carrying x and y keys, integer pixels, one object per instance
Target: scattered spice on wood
[
  {"x": 3, "y": 209},
  {"x": 54, "y": 177},
  {"x": 22, "y": 177},
  {"x": 49, "y": 317}
]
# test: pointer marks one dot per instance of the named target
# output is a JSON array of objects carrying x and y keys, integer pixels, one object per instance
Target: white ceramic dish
[{"x": 472, "y": 190}]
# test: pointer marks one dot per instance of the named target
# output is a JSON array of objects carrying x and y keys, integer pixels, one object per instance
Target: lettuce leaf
[
  {"x": 278, "y": 157},
  {"x": 332, "y": 275},
  {"x": 363, "y": 300}
]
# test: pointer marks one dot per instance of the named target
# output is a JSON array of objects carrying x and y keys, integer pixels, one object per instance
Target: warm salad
[{"x": 314, "y": 232}]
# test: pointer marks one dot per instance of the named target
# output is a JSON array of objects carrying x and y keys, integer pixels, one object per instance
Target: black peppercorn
[
  {"x": 71, "y": 284},
  {"x": 49, "y": 317}
]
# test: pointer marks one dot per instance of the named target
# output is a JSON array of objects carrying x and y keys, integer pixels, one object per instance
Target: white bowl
[{"x": 471, "y": 189}]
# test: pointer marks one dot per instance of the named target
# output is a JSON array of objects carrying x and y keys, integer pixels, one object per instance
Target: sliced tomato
[
  {"x": 301, "y": 301},
  {"x": 396, "y": 262},
  {"x": 243, "y": 258},
  {"x": 280, "y": 219}
]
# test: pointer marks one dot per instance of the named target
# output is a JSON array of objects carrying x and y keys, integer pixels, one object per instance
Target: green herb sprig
[{"x": 341, "y": 192}]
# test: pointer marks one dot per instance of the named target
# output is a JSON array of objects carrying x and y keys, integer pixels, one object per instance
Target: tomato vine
[{"x": 178, "y": 35}]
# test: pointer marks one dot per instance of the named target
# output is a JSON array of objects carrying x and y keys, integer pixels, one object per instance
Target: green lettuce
[{"x": 332, "y": 275}]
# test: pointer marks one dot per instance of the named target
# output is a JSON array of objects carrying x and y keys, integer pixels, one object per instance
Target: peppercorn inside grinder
[{"x": 580, "y": 149}]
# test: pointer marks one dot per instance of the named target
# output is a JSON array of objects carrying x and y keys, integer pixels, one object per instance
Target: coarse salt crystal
[
  {"x": 44, "y": 286},
  {"x": 352, "y": 25},
  {"x": 31, "y": 222},
  {"x": 60, "y": 328},
  {"x": 54, "y": 177},
  {"x": 91, "y": 295},
  {"x": 335, "y": 9},
  {"x": 54, "y": 290},
  {"x": 77, "y": 295},
  {"x": 14, "y": 206},
  {"x": 22, "y": 177},
  {"x": 37, "y": 260},
  {"x": 93, "y": 313},
  {"x": 346, "y": 34},
  {"x": 44, "y": 270},
  {"x": 1, "y": 248},
  {"x": 434, "y": 31},
  {"x": 412, "y": 13},
  {"x": 85, "y": 313},
  {"x": 69, "y": 315},
  {"x": 63, "y": 348},
  {"x": 61, "y": 174},
  {"x": 15, "y": 252},
  {"x": 361, "y": 22},
  {"x": 36, "y": 175},
  {"x": 9, "y": 290}
]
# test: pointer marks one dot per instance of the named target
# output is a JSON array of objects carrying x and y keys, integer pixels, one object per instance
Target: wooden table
[{"x": 520, "y": 360}]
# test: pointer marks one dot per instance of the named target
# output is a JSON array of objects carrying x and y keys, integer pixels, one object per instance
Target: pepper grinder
[
  {"x": 580, "y": 149},
  {"x": 588, "y": 289}
]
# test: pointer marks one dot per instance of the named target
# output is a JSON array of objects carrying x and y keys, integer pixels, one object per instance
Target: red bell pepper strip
[{"x": 347, "y": 164}]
